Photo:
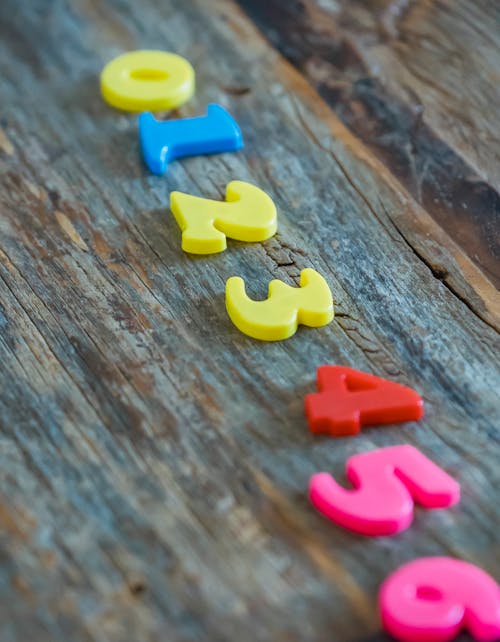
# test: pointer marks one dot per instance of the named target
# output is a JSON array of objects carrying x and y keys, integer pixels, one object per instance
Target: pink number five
[
  {"x": 432, "y": 598},
  {"x": 386, "y": 481}
]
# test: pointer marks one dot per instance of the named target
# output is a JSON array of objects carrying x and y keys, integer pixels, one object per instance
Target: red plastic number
[{"x": 348, "y": 399}]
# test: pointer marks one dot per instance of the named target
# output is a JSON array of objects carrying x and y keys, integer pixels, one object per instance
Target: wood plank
[
  {"x": 154, "y": 460},
  {"x": 415, "y": 82}
]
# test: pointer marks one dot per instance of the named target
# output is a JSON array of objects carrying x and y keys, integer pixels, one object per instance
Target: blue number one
[{"x": 163, "y": 141}]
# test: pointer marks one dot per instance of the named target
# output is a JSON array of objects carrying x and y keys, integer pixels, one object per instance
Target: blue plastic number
[{"x": 164, "y": 141}]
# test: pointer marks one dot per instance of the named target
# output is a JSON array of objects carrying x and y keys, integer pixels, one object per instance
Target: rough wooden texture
[
  {"x": 417, "y": 83},
  {"x": 154, "y": 460}
]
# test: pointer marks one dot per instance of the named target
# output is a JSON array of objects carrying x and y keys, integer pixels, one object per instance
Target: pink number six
[{"x": 433, "y": 598}]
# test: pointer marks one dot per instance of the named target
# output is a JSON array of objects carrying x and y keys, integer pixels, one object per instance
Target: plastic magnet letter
[
  {"x": 153, "y": 80},
  {"x": 386, "y": 482},
  {"x": 431, "y": 599},
  {"x": 163, "y": 141},
  {"x": 285, "y": 308},
  {"x": 248, "y": 214},
  {"x": 348, "y": 399}
]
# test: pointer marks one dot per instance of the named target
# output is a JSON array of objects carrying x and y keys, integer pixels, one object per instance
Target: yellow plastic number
[
  {"x": 147, "y": 80},
  {"x": 248, "y": 214},
  {"x": 285, "y": 308}
]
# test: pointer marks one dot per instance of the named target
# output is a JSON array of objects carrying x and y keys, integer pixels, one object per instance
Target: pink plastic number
[
  {"x": 386, "y": 481},
  {"x": 433, "y": 598}
]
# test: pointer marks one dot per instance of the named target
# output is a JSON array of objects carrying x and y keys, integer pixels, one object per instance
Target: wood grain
[
  {"x": 415, "y": 82},
  {"x": 154, "y": 460}
]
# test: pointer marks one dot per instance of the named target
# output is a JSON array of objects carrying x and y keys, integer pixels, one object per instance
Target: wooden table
[{"x": 154, "y": 460}]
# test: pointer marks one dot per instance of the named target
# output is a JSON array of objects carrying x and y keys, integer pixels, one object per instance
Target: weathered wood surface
[
  {"x": 154, "y": 460},
  {"x": 417, "y": 83}
]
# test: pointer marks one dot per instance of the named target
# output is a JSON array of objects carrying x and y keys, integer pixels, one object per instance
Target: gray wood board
[{"x": 154, "y": 459}]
